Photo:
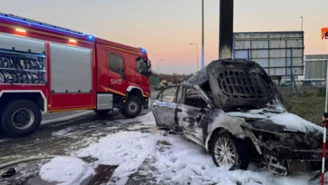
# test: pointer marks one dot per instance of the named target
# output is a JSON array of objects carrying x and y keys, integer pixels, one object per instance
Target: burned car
[{"x": 234, "y": 110}]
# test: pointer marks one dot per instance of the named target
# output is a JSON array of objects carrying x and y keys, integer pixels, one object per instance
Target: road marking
[
  {"x": 4, "y": 140},
  {"x": 66, "y": 117},
  {"x": 57, "y": 120}
]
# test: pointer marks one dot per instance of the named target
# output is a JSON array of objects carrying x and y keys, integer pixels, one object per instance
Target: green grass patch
[{"x": 310, "y": 107}]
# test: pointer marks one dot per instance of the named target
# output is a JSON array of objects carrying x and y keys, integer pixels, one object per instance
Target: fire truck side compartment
[
  {"x": 21, "y": 44},
  {"x": 104, "y": 101},
  {"x": 71, "y": 69}
]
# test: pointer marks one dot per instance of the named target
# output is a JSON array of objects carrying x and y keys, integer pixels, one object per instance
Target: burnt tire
[
  {"x": 224, "y": 146},
  {"x": 21, "y": 118},
  {"x": 133, "y": 107}
]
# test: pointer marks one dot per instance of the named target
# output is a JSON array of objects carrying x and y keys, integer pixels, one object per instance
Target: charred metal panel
[
  {"x": 199, "y": 78},
  {"x": 70, "y": 69},
  {"x": 238, "y": 83}
]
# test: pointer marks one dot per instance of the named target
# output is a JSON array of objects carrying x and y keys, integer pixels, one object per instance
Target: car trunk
[{"x": 237, "y": 84}]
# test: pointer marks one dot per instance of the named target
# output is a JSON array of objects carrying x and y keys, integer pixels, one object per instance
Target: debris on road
[{"x": 10, "y": 172}]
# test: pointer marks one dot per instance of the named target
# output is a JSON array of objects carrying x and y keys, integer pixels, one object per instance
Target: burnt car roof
[{"x": 237, "y": 84}]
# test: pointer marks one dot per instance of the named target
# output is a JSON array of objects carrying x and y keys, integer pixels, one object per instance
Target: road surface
[{"x": 62, "y": 133}]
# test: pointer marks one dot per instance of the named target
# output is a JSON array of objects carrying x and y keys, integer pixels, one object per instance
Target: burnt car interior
[{"x": 192, "y": 98}]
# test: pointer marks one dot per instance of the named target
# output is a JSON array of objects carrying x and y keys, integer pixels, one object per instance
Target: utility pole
[
  {"x": 191, "y": 44},
  {"x": 158, "y": 65},
  {"x": 203, "y": 51},
  {"x": 226, "y": 28}
]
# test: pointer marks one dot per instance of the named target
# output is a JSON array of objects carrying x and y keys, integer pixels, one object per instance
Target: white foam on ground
[
  {"x": 180, "y": 162},
  {"x": 66, "y": 171}
]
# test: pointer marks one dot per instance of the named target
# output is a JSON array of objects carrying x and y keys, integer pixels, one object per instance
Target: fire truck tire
[
  {"x": 133, "y": 107},
  {"x": 21, "y": 118}
]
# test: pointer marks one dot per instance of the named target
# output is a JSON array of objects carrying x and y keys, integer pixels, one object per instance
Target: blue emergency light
[{"x": 43, "y": 25}]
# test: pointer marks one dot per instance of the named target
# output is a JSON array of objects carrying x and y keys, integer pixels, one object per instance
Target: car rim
[
  {"x": 22, "y": 118},
  {"x": 133, "y": 107},
  {"x": 224, "y": 152}
]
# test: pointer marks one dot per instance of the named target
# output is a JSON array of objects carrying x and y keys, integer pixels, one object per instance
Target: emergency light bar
[{"x": 43, "y": 25}]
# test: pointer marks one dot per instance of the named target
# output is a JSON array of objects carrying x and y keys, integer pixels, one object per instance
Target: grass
[{"x": 311, "y": 107}]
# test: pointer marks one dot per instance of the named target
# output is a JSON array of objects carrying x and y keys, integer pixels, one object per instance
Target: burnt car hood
[
  {"x": 277, "y": 119},
  {"x": 237, "y": 84}
]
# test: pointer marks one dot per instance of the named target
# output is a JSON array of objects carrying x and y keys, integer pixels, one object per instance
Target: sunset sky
[{"x": 166, "y": 27}]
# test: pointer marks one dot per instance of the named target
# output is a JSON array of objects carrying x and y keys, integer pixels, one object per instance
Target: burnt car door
[
  {"x": 192, "y": 113},
  {"x": 163, "y": 108}
]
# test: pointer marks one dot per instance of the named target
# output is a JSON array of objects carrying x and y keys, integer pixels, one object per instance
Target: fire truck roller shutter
[
  {"x": 21, "y": 44},
  {"x": 71, "y": 69}
]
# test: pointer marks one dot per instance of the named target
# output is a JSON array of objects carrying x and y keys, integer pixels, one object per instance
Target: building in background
[
  {"x": 315, "y": 67},
  {"x": 274, "y": 51}
]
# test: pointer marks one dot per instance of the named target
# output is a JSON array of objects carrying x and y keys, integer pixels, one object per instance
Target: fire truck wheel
[
  {"x": 21, "y": 118},
  {"x": 133, "y": 107}
]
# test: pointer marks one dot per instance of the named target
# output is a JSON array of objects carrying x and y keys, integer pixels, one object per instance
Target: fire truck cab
[{"x": 47, "y": 68}]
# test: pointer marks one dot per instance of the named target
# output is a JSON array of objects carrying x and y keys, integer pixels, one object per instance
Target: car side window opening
[
  {"x": 168, "y": 95},
  {"x": 116, "y": 64},
  {"x": 192, "y": 98},
  {"x": 207, "y": 90}
]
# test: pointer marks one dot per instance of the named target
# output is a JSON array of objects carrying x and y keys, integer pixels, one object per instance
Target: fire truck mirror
[{"x": 123, "y": 76}]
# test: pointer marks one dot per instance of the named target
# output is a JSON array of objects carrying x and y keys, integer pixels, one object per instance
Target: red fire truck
[{"x": 47, "y": 68}]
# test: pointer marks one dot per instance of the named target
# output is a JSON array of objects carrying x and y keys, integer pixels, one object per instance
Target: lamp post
[
  {"x": 158, "y": 65},
  {"x": 301, "y": 23},
  {"x": 191, "y": 44},
  {"x": 203, "y": 52}
]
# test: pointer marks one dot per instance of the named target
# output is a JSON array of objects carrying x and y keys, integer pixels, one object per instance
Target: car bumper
[{"x": 299, "y": 160}]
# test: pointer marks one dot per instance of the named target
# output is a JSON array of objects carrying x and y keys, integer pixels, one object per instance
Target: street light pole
[
  {"x": 196, "y": 52},
  {"x": 203, "y": 63},
  {"x": 301, "y": 23},
  {"x": 158, "y": 65}
]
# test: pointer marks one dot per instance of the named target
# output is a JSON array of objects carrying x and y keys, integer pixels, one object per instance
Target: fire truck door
[{"x": 116, "y": 73}]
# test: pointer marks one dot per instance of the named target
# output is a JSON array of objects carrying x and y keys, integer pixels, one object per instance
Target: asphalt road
[{"x": 62, "y": 133}]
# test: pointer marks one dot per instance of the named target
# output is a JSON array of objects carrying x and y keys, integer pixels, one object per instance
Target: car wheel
[
  {"x": 229, "y": 152},
  {"x": 21, "y": 118},
  {"x": 133, "y": 107}
]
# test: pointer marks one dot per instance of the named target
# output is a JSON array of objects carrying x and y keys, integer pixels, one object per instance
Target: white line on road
[
  {"x": 66, "y": 117},
  {"x": 4, "y": 140},
  {"x": 46, "y": 122}
]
